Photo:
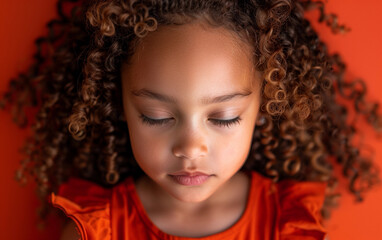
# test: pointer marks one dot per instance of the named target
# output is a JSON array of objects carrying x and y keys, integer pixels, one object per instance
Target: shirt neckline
[{"x": 165, "y": 236}]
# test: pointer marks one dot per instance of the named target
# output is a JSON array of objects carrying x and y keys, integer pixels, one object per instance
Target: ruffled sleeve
[
  {"x": 299, "y": 210},
  {"x": 88, "y": 205}
]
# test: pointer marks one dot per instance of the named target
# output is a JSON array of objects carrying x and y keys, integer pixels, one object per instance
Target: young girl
[{"x": 190, "y": 119}]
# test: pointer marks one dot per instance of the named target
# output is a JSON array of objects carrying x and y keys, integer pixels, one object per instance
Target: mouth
[{"x": 190, "y": 178}]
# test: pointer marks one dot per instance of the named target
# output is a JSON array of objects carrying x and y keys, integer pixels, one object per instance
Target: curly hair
[{"x": 75, "y": 86}]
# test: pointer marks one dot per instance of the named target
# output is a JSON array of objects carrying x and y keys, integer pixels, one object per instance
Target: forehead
[{"x": 189, "y": 59}]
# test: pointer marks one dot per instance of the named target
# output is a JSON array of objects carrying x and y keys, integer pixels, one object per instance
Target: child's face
[{"x": 173, "y": 123}]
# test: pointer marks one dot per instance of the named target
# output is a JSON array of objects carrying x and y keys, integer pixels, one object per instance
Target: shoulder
[
  {"x": 88, "y": 204},
  {"x": 291, "y": 194},
  {"x": 70, "y": 232},
  {"x": 293, "y": 208},
  {"x": 300, "y": 205}
]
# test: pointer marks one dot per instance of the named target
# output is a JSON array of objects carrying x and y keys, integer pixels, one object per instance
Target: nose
[{"x": 190, "y": 145}]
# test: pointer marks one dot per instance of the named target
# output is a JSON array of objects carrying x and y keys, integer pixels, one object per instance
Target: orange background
[{"x": 22, "y": 21}]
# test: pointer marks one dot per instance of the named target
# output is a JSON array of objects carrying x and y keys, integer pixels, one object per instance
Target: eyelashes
[
  {"x": 151, "y": 121},
  {"x": 226, "y": 123},
  {"x": 218, "y": 122}
]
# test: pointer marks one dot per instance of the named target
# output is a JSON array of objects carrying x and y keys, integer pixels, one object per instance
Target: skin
[{"x": 190, "y": 64}]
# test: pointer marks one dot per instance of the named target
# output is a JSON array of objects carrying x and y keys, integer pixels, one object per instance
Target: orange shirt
[{"x": 283, "y": 211}]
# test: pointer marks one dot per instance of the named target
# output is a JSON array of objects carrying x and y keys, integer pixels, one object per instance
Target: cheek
[
  {"x": 149, "y": 149},
  {"x": 144, "y": 143},
  {"x": 233, "y": 149}
]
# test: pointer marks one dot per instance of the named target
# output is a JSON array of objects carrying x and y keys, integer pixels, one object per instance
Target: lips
[{"x": 190, "y": 178}]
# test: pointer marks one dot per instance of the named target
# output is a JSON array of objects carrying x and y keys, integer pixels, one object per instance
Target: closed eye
[
  {"x": 151, "y": 121},
  {"x": 218, "y": 122},
  {"x": 226, "y": 123}
]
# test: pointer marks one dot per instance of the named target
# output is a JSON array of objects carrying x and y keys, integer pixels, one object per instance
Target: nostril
[
  {"x": 178, "y": 155},
  {"x": 190, "y": 145},
  {"x": 189, "y": 152}
]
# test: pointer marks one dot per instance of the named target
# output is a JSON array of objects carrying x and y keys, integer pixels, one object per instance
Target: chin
[
  {"x": 192, "y": 198},
  {"x": 191, "y": 194}
]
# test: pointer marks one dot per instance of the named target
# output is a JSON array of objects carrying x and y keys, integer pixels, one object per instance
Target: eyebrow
[{"x": 206, "y": 100}]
